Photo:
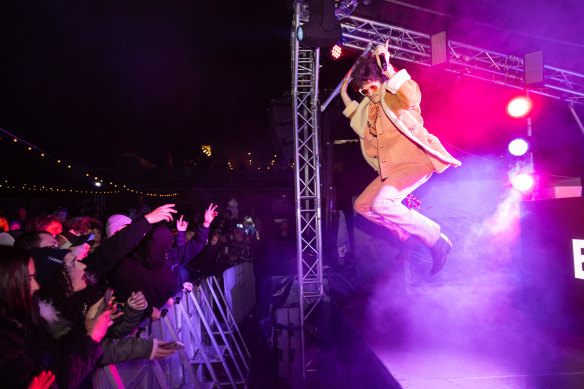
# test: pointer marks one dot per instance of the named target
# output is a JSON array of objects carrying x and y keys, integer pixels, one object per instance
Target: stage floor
[{"x": 445, "y": 336}]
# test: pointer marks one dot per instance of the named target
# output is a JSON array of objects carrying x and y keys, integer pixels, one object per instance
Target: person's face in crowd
[
  {"x": 76, "y": 273},
  {"x": 238, "y": 236},
  {"x": 34, "y": 286},
  {"x": 189, "y": 235},
  {"x": 21, "y": 213},
  {"x": 372, "y": 89},
  {"x": 47, "y": 240},
  {"x": 15, "y": 226},
  {"x": 214, "y": 239},
  {"x": 54, "y": 228}
]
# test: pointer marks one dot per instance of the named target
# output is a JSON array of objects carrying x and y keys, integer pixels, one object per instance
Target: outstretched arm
[
  {"x": 113, "y": 249},
  {"x": 399, "y": 83},
  {"x": 344, "y": 95}
]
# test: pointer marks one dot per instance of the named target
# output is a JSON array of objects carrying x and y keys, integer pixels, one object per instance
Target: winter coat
[
  {"x": 116, "y": 348},
  {"x": 25, "y": 354},
  {"x": 402, "y": 107},
  {"x": 113, "y": 249},
  {"x": 154, "y": 267},
  {"x": 145, "y": 270}
]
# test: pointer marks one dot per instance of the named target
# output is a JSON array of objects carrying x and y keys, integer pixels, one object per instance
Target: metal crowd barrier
[{"x": 215, "y": 353}]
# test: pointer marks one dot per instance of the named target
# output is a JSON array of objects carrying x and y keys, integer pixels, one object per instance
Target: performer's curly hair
[{"x": 365, "y": 70}]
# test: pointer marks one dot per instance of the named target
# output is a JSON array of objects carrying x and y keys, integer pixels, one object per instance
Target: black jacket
[
  {"x": 25, "y": 354},
  {"x": 113, "y": 249}
]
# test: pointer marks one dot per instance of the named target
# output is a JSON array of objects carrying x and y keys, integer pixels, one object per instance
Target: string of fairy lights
[
  {"x": 97, "y": 181},
  {"x": 271, "y": 166}
]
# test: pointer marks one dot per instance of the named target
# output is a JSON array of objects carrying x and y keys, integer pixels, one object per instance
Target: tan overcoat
[{"x": 400, "y": 100}]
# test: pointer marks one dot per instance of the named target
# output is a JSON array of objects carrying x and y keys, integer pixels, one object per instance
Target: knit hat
[
  {"x": 47, "y": 261},
  {"x": 114, "y": 223},
  {"x": 6, "y": 239}
]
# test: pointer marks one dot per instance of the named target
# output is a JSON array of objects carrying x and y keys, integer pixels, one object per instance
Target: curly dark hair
[
  {"x": 71, "y": 305},
  {"x": 82, "y": 223},
  {"x": 366, "y": 70}
]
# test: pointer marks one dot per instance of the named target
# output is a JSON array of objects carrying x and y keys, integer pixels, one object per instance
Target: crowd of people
[{"x": 73, "y": 290}]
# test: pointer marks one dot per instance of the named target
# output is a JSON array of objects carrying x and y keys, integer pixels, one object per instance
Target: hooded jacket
[{"x": 146, "y": 269}]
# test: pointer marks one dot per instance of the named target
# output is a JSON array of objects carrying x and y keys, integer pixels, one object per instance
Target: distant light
[
  {"x": 523, "y": 182},
  {"x": 336, "y": 51},
  {"x": 97, "y": 183},
  {"x": 519, "y": 107},
  {"x": 518, "y": 147}
]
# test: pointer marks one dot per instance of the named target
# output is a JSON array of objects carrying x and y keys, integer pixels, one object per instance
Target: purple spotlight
[
  {"x": 523, "y": 182},
  {"x": 518, "y": 147}
]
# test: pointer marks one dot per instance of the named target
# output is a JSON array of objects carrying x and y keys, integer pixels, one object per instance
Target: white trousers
[{"x": 381, "y": 203}]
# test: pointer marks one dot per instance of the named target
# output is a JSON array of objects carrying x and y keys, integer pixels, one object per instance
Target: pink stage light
[
  {"x": 519, "y": 106},
  {"x": 518, "y": 147},
  {"x": 523, "y": 182},
  {"x": 336, "y": 51}
]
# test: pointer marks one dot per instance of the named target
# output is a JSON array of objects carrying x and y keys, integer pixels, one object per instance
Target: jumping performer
[{"x": 396, "y": 144}]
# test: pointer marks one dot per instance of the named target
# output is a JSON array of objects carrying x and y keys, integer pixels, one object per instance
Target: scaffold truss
[
  {"x": 502, "y": 69},
  {"x": 305, "y": 66}
]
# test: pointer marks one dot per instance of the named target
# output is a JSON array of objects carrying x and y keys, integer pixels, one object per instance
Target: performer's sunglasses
[{"x": 369, "y": 89}]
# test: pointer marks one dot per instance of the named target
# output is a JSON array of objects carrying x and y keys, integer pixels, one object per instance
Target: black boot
[{"x": 440, "y": 252}]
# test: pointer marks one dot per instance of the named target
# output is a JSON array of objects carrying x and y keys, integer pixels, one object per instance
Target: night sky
[{"x": 87, "y": 81}]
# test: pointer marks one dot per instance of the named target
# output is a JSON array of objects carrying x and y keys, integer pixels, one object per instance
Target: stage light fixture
[
  {"x": 518, "y": 147},
  {"x": 97, "y": 183},
  {"x": 519, "y": 107},
  {"x": 337, "y": 51},
  {"x": 323, "y": 29},
  {"x": 523, "y": 182}
]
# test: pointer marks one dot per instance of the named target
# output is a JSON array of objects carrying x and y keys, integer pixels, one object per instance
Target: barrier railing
[{"x": 215, "y": 353}]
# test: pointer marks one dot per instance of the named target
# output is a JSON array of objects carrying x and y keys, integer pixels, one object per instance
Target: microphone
[{"x": 383, "y": 61}]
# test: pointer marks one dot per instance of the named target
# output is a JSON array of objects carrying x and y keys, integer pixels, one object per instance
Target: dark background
[{"x": 88, "y": 81}]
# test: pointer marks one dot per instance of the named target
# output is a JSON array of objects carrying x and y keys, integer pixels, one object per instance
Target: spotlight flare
[
  {"x": 523, "y": 182},
  {"x": 518, "y": 147},
  {"x": 519, "y": 107}
]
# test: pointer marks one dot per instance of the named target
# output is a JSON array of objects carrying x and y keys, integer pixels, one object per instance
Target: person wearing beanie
[
  {"x": 48, "y": 262},
  {"x": 115, "y": 223},
  {"x": 66, "y": 292},
  {"x": 6, "y": 239},
  {"x": 123, "y": 235}
]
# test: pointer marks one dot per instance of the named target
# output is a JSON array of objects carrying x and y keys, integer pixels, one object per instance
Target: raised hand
[
  {"x": 138, "y": 301},
  {"x": 181, "y": 225},
  {"x": 382, "y": 56},
  {"x": 161, "y": 213},
  {"x": 155, "y": 314},
  {"x": 210, "y": 214},
  {"x": 162, "y": 352},
  {"x": 42, "y": 381},
  {"x": 97, "y": 326},
  {"x": 80, "y": 251}
]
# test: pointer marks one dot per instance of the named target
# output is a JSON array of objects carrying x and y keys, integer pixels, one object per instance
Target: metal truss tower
[
  {"x": 463, "y": 59},
  {"x": 305, "y": 64}
]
